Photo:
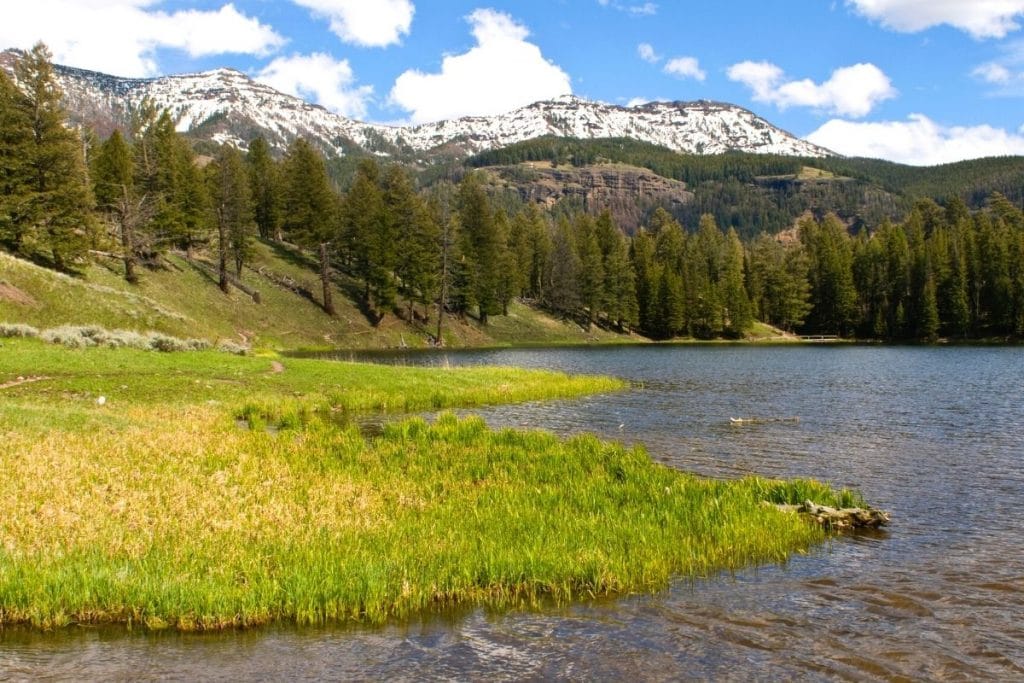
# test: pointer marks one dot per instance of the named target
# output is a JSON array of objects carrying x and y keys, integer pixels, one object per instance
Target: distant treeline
[{"x": 455, "y": 249}]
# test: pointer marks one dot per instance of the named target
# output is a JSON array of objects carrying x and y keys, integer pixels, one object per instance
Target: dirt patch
[
  {"x": 276, "y": 367},
  {"x": 22, "y": 380},
  {"x": 11, "y": 293}
]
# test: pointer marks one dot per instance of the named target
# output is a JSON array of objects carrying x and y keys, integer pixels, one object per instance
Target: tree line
[{"x": 459, "y": 249}]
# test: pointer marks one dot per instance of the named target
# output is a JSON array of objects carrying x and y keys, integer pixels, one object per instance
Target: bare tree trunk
[
  {"x": 325, "y": 278},
  {"x": 127, "y": 219},
  {"x": 222, "y": 269}
]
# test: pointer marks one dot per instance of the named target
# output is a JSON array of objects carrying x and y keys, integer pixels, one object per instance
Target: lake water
[{"x": 935, "y": 435}]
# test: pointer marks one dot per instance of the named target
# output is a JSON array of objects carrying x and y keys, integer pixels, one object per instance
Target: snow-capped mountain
[{"x": 225, "y": 105}]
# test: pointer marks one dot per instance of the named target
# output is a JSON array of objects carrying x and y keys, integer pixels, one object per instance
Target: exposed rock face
[{"x": 627, "y": 192}]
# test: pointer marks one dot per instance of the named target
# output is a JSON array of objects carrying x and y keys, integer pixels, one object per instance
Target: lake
[{"x": 934, "y": 435}]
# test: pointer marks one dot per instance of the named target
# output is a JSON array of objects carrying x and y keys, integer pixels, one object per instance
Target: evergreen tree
[
  {"x": 263, "y": 186},
  {"x": 833, "y": 294},
  {"x": 562, "y": 294},
  {"x": 16, "y": 188},
  {"x": 482, "y": 246},
  {"x": 591, "y": 273},
  {"x": 736, "y": 315},
  {"x": 229, "y": 191},
  {"x": 113, "y": 176},
  {"x": 363, "y": 228},
  {"x": 309, "y": 208},
  {"x": 702, "y": 273},
  {"x": 414, "y": 231},
  {"x": 53, "y": 209},
  {"x": 647, "y": 278}
]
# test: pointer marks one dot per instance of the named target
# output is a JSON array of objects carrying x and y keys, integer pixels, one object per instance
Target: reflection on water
[{"x": 934, "y": 435}]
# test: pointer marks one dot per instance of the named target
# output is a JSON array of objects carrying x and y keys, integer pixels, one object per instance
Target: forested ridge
[
  {"x": 954, "y": 269},
  {"x": 756, "y": 193}
]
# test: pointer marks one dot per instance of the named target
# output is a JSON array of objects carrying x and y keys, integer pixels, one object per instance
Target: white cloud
[
  {"x": 993, "y": 73},
  {"x": 918, "y": 140},
  {"x": 502, "y": 72},
  {"x": 647, "y": 53},
  {"x": 644, "y": 9},
  {"x": 368, "y": 23},
  {"x": 850, "y": 91},
  {"x": 121, "y": 36},
  {"x": 637, "y": 102},
  {"x": 980, "y": 18},
  {"x": 320, "y": 78},
  {"x": 685, "y": 67}
]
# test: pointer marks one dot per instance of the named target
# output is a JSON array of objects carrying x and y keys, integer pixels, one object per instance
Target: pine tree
[
  {"x": 482, "y": 246},
  {"x": 702, "y": 262},
  {"x": 113, "y": 176},
  {"x": 647, "y": 277},
  {"x": 229, "y": 191},
  {"x": 263, "y": 186},
  {"x": 408, "y": 245},
  {"x": 562, "y": 294},
  {"x": 736, "y": 315},
  {"x": 363, "y": 229},
  {"x": 15, "y": 176},
  {"x": 833, "y": 294},
  {"x": 309, "y": 208},
  {"x": 54, "y": 208},
  {"x": 591, "y": 273}
]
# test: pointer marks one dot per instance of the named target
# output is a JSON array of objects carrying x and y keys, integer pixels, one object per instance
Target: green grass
[
  {"x": 182, "y": 300},
  {"x": 156, "y": 509}
]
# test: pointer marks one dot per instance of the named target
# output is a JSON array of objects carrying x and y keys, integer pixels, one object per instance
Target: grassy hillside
[{"x": 181, "y": 298}]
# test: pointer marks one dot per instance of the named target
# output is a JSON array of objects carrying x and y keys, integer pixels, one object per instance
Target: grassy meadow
[{"x": 154, "y": 507}]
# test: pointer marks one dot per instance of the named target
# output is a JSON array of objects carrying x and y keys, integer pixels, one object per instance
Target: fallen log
[{"x": 839, "y": 519}]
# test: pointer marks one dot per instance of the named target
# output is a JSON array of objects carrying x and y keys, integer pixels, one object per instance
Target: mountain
[{"x": 225, "y": 105}]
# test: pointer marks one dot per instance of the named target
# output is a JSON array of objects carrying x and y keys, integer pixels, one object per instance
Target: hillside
[
  {"x": 753, "y": 193},
  {"x": 182, "y": 299}
]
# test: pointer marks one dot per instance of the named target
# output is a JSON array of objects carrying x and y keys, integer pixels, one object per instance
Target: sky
[{"x": 914, "y": 81}]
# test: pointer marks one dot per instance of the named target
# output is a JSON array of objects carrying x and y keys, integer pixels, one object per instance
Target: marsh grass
[{"x": 156, "y": 510}]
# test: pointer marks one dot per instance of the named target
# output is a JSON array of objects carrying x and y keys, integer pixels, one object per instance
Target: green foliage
[
  {"x": 264, "y": 188},
  {"x": 46, "y": 209},
  {"x": 157, "y": 510}
]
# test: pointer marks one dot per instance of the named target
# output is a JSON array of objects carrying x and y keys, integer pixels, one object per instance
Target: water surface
[{"x": 935, "y": 435}]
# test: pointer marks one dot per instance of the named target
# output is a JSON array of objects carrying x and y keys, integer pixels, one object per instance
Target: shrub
[
  {"x": 232, "y": 347},
  {"x": 69, "y": 336},
  {"x": 17, "y": 330},
  {"x": 165, "y": 343}
]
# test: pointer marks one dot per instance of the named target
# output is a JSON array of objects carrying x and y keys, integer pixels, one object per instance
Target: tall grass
[
  {"x": 156, "y": 509},
  {"x": 201, "y": 525}
]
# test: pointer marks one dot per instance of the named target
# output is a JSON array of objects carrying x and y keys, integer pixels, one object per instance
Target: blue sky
[{"x": 917, "y": 81}]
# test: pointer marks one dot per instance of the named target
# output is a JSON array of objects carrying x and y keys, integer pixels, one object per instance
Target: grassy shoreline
[{"x": 154, "y": 508}]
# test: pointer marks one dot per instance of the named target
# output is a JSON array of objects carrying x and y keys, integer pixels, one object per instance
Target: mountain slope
[{"x": 226, "y": 105}]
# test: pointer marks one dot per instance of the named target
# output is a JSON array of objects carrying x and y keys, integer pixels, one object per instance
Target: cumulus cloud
[
  {"x": 979, "y": 18},
  {"x": 368, "y": 23},
  {"x": 502, "y": 72},
  {"x": 850, "y": 91},
  {"x": 637, "y": 102},
  {"x": 95, "y": 34},
  {"x": 319, "y": 78},
  {"x": 647, "y": 53},
  {"x": 918, "y": 140},
  {"x": 685, "y": 67}
]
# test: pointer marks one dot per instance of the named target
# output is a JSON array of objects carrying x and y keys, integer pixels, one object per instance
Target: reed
[{"x": 161, "y": 512}]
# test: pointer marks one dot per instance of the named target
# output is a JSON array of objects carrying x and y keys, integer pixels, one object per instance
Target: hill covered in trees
[
  {"x": 756, "y": 193},
  {"x": 392, "y": 252}
]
